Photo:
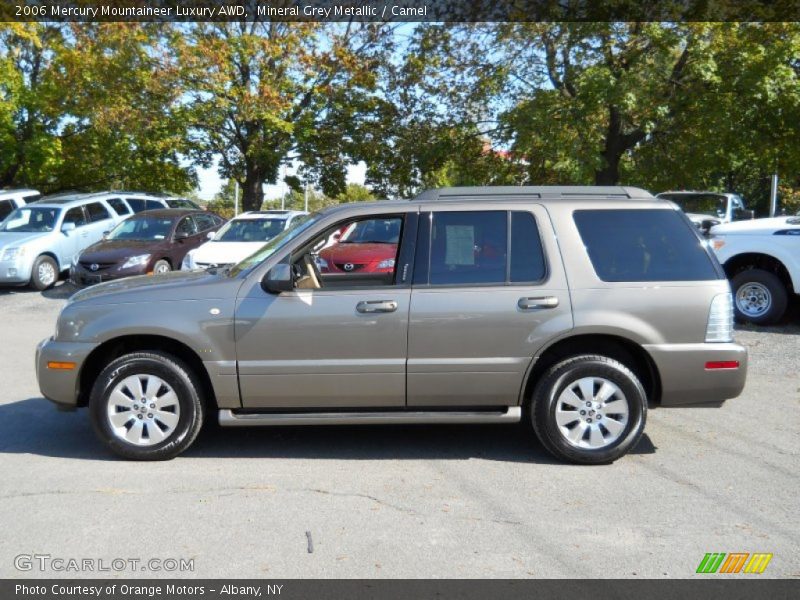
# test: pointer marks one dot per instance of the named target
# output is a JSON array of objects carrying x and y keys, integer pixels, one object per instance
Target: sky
[{"x": 209, "y": 181}]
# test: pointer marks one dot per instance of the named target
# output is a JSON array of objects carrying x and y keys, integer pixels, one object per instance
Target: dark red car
[
  {"x": 150, "y": 242},
  {"x": 364, "y": 247}
]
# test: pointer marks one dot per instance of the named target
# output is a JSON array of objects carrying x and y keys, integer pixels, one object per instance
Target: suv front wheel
[
  {"x": 147, "y": 406},
  {"x": 589, "y": 409}
]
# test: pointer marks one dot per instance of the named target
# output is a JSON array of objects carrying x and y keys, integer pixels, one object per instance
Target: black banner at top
[{"x": 399, "y": 10}]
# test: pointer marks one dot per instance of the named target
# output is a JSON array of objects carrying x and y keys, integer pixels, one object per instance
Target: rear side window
[
  {"x": 97, "y": 212},
  {"x": 119, "y": 206},
  {"x": 75, "y": 215},
  {"x": 6, "y": 207},
  {"x": 469, "y": 247},
  {"x": 643, "y": 245},
  {"x": 137, "y": 204},
  {"x": 527, "y": 255}
]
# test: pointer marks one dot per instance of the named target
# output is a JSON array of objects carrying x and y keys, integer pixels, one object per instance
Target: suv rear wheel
[
  {"x": 759, "y": 297},
  {"x": 147, "y": 406},
  {"x": 589, "y": 409}
]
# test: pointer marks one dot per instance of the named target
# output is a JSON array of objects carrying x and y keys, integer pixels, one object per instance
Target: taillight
[{"x": 720, "y": 319}]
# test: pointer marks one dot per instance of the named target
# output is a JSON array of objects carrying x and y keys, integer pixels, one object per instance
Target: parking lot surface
[{"x": 402, "y": 501}]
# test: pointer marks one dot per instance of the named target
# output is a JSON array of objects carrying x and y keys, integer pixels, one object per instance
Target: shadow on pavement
[
  {"x": 34, "y": 426},
  {"x": 60, "y": 291}
]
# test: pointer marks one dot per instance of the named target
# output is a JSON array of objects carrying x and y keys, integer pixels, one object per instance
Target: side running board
[{"x": 228, "y": 418}]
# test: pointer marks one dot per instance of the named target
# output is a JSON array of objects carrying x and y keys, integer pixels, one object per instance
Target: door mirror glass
[
  {"x": 278, "y": 279},
  {"x": 68, "y": 226}
]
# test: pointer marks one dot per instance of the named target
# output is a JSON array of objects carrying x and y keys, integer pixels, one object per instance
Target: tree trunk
[
  {"x": 616, "y": 144},
  {"x": 253, "y": 188}
]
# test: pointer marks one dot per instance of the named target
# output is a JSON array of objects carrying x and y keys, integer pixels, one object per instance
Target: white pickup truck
[
  {"x": 761, "y": 258},
  {"x": 706, "y": 209}
]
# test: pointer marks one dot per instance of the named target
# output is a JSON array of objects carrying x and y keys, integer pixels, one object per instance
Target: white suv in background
[
  {"x": 240, "y": 237},
  {"x": 10, "y": 200},
  {"x": 762, "y": 260}
]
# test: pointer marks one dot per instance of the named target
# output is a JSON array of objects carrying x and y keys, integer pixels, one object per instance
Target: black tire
[
  {"x": 172, "y": 371},
  {"x": 37, "y": 282},
  {"x": 162, "y": 266},
  {"x": 565, "y": 373},
  {"x": 773, "y": 286}
]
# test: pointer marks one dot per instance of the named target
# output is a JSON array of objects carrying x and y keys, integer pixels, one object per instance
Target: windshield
[
  {"x": 250, "y": 230},
  {"x": 30, "y": 219},
  {"x": 299, "y": 225},
  {"x": 142, "y": 228},
  {"x": 713, "y": 205},
  {"x": 373, "y": 231}
]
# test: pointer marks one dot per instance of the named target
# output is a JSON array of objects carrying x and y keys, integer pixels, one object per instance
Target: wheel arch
[
  {"x": 118, "y": 346},
  {"x": 625, "y": 350},
  {"x": 759, "y": 260}
]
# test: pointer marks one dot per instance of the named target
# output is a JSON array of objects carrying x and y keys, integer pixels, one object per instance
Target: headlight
[
  {"x": 188, "y": 262},
  {"x": 136, "y": 261},
  {"x": 321, "y": 263},
  {"x": 12, "y": 253},
  {"x": 386, "y": 264}
]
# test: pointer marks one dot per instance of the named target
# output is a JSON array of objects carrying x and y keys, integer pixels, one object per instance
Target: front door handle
[
  {"x": 376, "y": 306},
  {"x": 537, "y": 302}
]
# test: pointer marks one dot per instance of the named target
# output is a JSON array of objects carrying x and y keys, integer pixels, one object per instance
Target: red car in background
[{"x": 364, "y": 247}]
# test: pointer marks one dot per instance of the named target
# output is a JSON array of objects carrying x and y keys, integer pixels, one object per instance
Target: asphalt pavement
[{"x": 424, "y": 501}]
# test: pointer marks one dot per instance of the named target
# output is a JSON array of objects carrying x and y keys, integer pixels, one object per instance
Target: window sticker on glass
[{"x": 460, "y": 248}]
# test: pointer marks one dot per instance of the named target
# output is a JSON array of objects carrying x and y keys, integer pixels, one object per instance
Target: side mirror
[
  {"x": 105, "y": 234},
  {"x": 707, "y": 224},
  {"x": 181, "y": 235},
  {"x": 336, "y": 236},
  {"x": 68, "y": 226},
  {"x": 210, "y": 235},
  {"x": 278, "y": 279}
]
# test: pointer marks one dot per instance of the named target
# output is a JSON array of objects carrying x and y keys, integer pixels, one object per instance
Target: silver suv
[{"x": 575, "y": 308}]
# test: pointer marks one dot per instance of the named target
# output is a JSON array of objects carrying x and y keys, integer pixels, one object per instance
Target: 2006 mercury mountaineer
[{"x": 577, "y": 307}]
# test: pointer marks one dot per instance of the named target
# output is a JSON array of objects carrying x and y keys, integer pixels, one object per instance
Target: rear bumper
[
  {"x": 60, "y": 385},
  {"x": 685, "y": 380}
]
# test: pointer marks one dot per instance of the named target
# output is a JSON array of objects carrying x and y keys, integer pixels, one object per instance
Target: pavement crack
[{"x": 375, "y": 499}]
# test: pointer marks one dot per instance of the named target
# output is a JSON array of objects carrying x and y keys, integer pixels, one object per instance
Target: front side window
[
  {"x": 6, "y": 208},
  {"x": 31, "y": 219},
  {"x": 204, "y": 222},
  {"x": 643, "y": 245},
  {"x": 97, "y": 212},
  {"x": 186, "y": 227},
  {"x": 358, "y": 253}
]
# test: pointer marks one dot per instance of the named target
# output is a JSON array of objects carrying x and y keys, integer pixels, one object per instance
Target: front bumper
[
  {"x": 14, "y": 272},
  {"x": 685, "y": 380},
  {"x": 61, "y": 385}
]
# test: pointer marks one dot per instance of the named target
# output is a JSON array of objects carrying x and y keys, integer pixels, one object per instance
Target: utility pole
[
  {"x": 305, "y": 198},
  {"x": 235, "y": 197},
  {"x": 773, "y": 196}
]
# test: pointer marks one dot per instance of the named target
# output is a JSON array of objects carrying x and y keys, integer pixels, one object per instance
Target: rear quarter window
[{"x": 643, "y": 245}]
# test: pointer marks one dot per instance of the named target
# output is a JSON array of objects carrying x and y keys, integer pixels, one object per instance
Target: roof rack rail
[
  {"x": 537, "y": 191},
  {"x": 143, "y": 192}
]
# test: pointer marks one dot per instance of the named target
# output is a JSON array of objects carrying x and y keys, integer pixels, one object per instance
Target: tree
[
  {"x": 261, "y": 94},
  {"x": 89, "y": 107}
]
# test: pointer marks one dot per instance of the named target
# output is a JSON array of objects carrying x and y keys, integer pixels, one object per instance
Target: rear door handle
[
  {"x": 537, "y": 302},
  {"x": 376, "y": 306}
]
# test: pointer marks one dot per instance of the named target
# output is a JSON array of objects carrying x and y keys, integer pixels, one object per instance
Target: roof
[
  {"x": 275, "y": 214},
  {"x": 16, "y": 191},
  {"x": 533, "y": 191},
  {"x": 173, "y": 213}
]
